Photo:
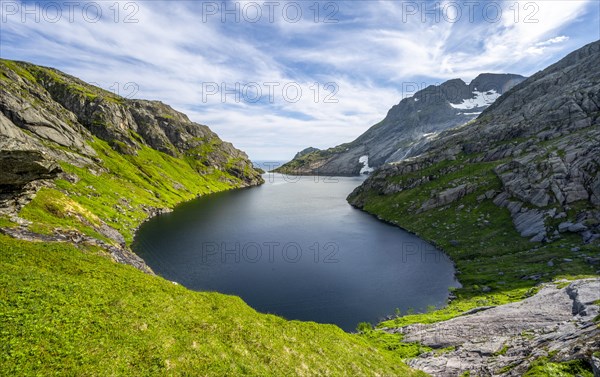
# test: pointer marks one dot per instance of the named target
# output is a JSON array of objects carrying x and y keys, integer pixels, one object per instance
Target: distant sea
[{"x": 268, "y": 165}]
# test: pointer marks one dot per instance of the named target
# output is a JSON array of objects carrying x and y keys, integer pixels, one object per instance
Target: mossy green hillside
[
  {"x": 494, "y": 263},
  {"x": 70, "y": 311},
  {"x": 121, "y": 191},
  {"x": 297, "y": 165},
  {"x": 545, "y": 368},
  {"x": 35, "y": 73}
]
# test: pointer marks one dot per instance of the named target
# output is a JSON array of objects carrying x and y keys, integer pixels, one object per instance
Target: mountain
[
  {"x": 542, "y": 140},
  {"x": 305, "y": 151},
  {"x": 60, "y": 115},
  {"x": 80, "y": 170},
  {"x": 413, "y": 120},
  {"x": 64, "y": 142},
  {"x": 514, "y": 199}
]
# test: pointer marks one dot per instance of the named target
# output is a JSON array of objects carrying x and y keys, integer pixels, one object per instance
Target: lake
[{"x": 294, "y": 247}]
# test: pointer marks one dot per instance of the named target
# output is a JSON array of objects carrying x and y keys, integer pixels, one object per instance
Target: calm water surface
[{"x": 295, "y": 247}]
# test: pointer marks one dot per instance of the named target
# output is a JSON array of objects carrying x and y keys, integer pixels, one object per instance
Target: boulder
[{"x": 576, "y": 228}]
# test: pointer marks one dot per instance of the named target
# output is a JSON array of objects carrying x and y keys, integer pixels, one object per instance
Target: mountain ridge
[{"x": 410, "y": 122}]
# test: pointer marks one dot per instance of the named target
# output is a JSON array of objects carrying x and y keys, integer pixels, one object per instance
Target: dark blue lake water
[{"x": 295, "y": 247}]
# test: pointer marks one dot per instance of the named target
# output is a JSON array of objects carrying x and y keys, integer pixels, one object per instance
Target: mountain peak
[
  {"x": 412, "y": 121},
  {"x": 498, "y": 82}
]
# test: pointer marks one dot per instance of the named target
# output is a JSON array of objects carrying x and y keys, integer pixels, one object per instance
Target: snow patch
[
  {"x": 365, "y": 161},
  {"x": 482, "y": 99}
]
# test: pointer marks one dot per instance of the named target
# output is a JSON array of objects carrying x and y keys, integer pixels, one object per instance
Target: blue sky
[{"x": 306, "y": 73}]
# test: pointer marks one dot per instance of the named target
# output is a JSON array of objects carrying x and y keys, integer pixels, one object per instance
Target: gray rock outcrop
[{"x": 559, "y": 323}]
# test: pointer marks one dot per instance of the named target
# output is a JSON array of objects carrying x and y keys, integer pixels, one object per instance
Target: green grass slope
[
  {"x": 70, "y": 311},
  {"x": 494, "y": 263},
  {"x": 122, "y": 194}
]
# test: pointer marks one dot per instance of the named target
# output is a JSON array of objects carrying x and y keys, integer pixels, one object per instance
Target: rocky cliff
[
  {"x": 66, "y": 112},
  {"x": 103, "y": 163},
  {"x": 407, "y": 125},
  {"x": 542, "y": 142}
]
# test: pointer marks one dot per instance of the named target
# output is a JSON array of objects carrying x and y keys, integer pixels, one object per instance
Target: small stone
[
  {"x": 568, "y": 260},
  {"x": 575, "y": 249},
  {"x": 576, "y": 228},
  {"x": 538, "y": 237},
  {"x": 550, "y": 264},
  {"x": 593, "y": 261},
  {"x": 563, "y": 227},
  {"x": 486, "y": 289}
]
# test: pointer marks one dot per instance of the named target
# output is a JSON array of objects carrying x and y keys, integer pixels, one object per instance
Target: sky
[{"x": 274, "y": 77}]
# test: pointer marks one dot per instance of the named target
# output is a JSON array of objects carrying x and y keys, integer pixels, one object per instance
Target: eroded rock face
[
  {"x": 31, "y": 108},
  {"x": 22, "y": 158},
  {"x": 504, "y": 340},
  {"x": 448, "y": 196},
  {"x": 20, "y": 167}
]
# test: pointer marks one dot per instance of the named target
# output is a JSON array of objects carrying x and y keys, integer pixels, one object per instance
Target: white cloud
[
  {"x": 369, "y": 54},
  {"x": 551, "y": 41}
]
